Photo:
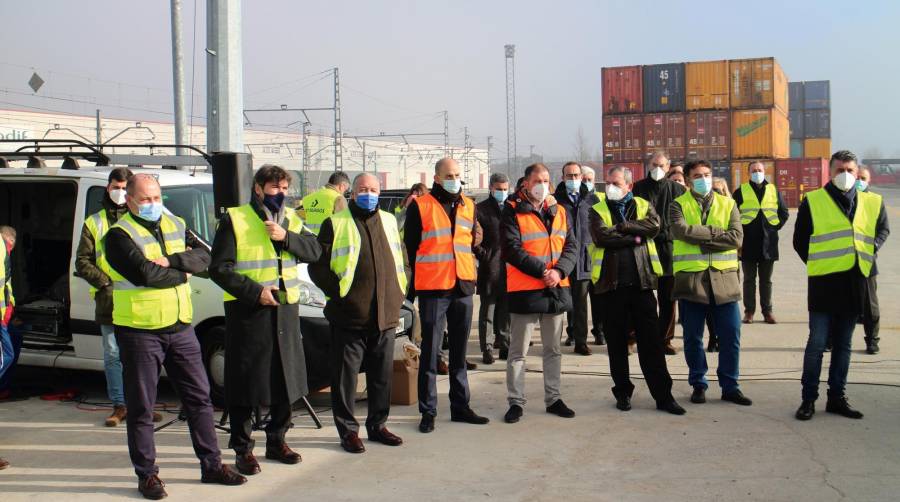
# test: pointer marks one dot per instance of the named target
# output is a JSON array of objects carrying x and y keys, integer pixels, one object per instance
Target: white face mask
[
  {"x": 614, "y": 193},
  {"x": 758, "y": 177},
  {"x": 844, "y": 181},
  {"x": 657, "y": 173},
  {"x": 540, "y": 191},
  {"x": 117, "y": 196}
]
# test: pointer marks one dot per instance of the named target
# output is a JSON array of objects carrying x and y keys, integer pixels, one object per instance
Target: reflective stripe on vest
[
  {"x": 836, "y": 244},
  {"x": 319, "y": 206},
  {"x": 98, "y": 224},
  {"x": 255, "y": 256},
  {"x": 688, "y": 257},
  {"x": 6, "y": 294},
  {"x": 539, "y": 243},
  {"x": 445, "y": 253},
  {"x": 751, "y": 206},
  {"x": 146, "y": 307},
  {"x": 597, "y": 253},
  {"x": 346, "y": 244}
]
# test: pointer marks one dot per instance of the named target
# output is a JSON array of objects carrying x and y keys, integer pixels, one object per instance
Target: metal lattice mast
[
  {"x": 305, "y": 170},
  {"x": 490, "y": 144},
  {"x": 511, "y": 166},
  {"x": 467, "y": 175},
  {"x": 338, "y": 135}
]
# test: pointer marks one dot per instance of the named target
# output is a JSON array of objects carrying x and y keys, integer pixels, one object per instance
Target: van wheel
[{"x": 213, "y": 346}]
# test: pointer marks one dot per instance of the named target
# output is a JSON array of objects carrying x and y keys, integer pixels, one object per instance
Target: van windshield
[{"x": 195, "y": 204}]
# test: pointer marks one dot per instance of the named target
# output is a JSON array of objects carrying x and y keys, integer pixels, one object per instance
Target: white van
[{"x": 48, "y": 206}]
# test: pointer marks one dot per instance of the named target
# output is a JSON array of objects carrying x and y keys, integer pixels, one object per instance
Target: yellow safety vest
[
  {"x": 751, "y": 206},
  {"x": 319, "y": 206},
  {"x": 256, "y": 258},
  {"x": 597, "y": 252},
  {"x": 688, "y": 257},
  {"x": 346, "y": 243},
  {"x": 98, "y": 224},
  {"x": 6, "y": 295},
  {"x": 836, "y": 243},
  {"x": 144, "y": 307}
]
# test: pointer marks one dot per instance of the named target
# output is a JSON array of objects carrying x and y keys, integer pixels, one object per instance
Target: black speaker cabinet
[{"x": 232, "y": 180}]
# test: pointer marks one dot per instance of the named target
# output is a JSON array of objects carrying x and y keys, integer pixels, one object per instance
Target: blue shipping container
[
  {"x": 722, "y": 169},
  {"x": 795, "y": 95},
  {"x": 795, "y": 117},
  {"x": 664, "y": 88},
  {"x": 816, "y": 124},
  {"x": 817, "y": 95},
  {"x": 797, "y": 149}
]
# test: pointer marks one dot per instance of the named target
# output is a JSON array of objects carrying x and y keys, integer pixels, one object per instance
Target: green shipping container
[{"x": 797, "y": 149}]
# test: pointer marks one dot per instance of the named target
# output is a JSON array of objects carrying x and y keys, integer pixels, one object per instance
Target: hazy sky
[{"x": 402, "y": 62}]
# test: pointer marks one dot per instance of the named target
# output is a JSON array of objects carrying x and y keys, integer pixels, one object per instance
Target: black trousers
[
  {"x": 350, "y": 351},
  {"x": 576, "y": 320},
  {"x": 763, "y": 269},
  {"x": 242, "y": 426},
  {"x": 871, "y": 314},
  {"x": 596, "y": 314},
  {"x": 666, "y": 324},
  {"x": 143, "y": 356},
  {"x": 627, "y": 308},
  {"x": 455, "y": 312},
  {"x": 493, "y": 321}
]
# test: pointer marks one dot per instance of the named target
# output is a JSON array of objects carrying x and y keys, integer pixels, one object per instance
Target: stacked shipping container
[{"x": 810, "y": 119}]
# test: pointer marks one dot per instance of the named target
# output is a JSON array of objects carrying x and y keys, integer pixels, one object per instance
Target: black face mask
[{"x": 273, "y": 202}]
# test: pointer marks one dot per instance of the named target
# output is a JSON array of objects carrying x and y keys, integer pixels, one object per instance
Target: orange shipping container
[
  {"x": 760, "y": 134},
  {"x": 706, "y": 85},
  {"x": 818, "y": 147},
  {"x": 740, "y": 171},
  {"x": 758, "y": 83}
]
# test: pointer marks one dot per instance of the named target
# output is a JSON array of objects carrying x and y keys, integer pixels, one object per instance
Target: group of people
[{"x": 634, "y": 254}]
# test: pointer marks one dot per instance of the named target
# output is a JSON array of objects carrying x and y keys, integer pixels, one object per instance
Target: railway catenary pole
[
  {"x": 511, "y": 167},
  {"x": 178, "y": 77}
]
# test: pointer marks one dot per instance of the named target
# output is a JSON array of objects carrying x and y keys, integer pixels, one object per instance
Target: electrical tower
[
  {"x": 511, "y": 166},
  {"x": 338, "y": 147},
  {"x": 490, "y": 144},
  {"x": 446, "y": 134},
  {"x": 467, "y": 175}
]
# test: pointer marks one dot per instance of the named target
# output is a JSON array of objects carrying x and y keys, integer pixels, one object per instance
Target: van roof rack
[{"x": 100, "y": 155}]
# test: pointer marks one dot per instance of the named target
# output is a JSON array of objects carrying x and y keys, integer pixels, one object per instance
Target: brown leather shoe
[
  {"x": 118, "y": 416},
  {"x": 352, "y": 444},
  {"x": 669, "y": 349},
  {"x": 224, "y": 476},
  {"x": 246, "y": 463},
  {"x": 748, "y": 318},
  {"x": 583, "y": 350},
  {"x": 384, "y": 436},
  {"x": 152, "y": 487},
  {"x": 769, "y": 319},
  {"x": 471, "y": 366},
  {"x": 442, "y": 368},
  {"x": 282, "y": 453},
  {"x": 3, "y": 464},
  {"x": 157, "y": 416}
]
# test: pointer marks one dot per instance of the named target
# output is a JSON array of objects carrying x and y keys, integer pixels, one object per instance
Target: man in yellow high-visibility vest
[
  {"x": 838, "y": 231},
  {"x": 321, "y": 204},
  {"x": 707, "y": 230},
  {"x": 871, "y": 316},
  {"x": 364, "y": 272}
]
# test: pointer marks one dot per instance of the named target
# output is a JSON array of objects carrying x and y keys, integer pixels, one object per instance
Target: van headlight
[{"x": 311, "y": 295}]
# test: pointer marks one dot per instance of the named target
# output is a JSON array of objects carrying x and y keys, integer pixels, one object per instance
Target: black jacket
[
  {"x": 619, "y": 241},
  {"x": 578, "y": 217},
  {"x": 412, "y": 237},
  {"x": 761, "y": 238},
  {"x": 126, "y": 258},
  {"x": 374, "y": 300},
  {"x": 845, "y": 291},
  {"x": 491, "y": 269},
  {"x": 660, "y": 194},
  {"x": 544, "y": 301}
]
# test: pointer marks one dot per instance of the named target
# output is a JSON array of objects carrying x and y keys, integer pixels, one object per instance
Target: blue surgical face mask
[
  {"x": 758, "y": 177},
  {"x": 367, "y": 201},
  {"x": 150, "y": 211},
  {"x": 451, "y": 186},
  {"x": 572, "y": 186},
  {"x": 589, "y": 185},
  {"x": 703, "y": 185},
  {"x": 500, "y": 195},
  {"x": 861, "y": 185}
]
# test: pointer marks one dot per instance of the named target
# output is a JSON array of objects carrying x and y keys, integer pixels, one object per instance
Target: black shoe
[
  {"x": 468, "y": 416},
  {"x": 671, "y": 406},
  {"x": 806, "y": 410},
  {"x": 569, "y": 341},
  {"x": 669, "y": 350},
  {"x": 737, "y": 397},
  {"x": 427, "y": 423},
  {"x": 600, "y": 339},
  {"x": 487, "y": 357},
  {"x": 384, "y": 436},
  {"x": 699, "y": 395},
  {"x": 152, "y": 487},
  {"x": 712, "y": 346},
  {"x": 583, "y": 350},
  {"x": 445, "y": 341},
  {"x": 559, "y": 408},
  {"x": 872, "y": 348},
  {"x": 504, "y": 354},
  {"x": 352, "y": 444},
  {"x": 840, "y": 406},
  {"x": 623, "y": 403},
  {"x": 471, "y": 366},
  {"x": 513, "y": 414}
]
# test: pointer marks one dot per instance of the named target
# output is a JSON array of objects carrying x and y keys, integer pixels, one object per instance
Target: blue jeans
[
  {"x": 7, "y": 354},
  {"x": 727, "y": 320},
  {"x": 14, "y": 336},
  {"x": 112, "y": 365},
  {"x": 841, "y": 327}
]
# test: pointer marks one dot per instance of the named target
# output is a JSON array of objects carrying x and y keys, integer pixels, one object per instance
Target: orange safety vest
[
  {"x": 537, "y": 242},
  {"x": 445, "y": 251}
]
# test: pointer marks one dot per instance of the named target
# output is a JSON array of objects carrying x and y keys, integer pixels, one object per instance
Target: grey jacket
[{"x": 710, "y": 286}]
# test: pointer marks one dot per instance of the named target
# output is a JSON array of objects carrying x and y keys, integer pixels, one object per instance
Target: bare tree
[{"x": 582, "y": 151}]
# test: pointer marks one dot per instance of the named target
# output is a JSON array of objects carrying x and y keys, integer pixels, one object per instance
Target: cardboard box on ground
[{"x": 404, "y": 389}]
